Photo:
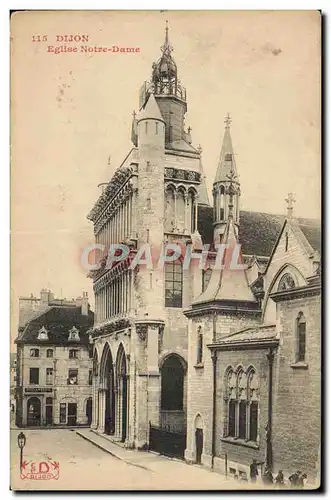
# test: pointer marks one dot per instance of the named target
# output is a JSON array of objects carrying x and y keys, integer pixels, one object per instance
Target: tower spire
[{"x": 166, "y": 47}]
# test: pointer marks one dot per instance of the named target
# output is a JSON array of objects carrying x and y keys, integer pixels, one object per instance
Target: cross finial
[
  {"x": 227, "y": 120},
  {"x": 290, "y": 205},
  {"x": 166, "y": 46},
  {"x": 166, "y": 33},
  {"x": 189, "y": 129}
]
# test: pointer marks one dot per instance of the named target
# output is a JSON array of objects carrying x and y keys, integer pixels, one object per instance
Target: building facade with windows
[
  {"x": 54, "y": 366},
  {"x": 201, "y": 352}
]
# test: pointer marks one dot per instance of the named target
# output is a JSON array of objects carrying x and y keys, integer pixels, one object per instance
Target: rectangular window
[
  {"x": 49, "y": 353},
  {"x": 90, "y": 377},
  {"x": 232, "y": 418},
  {"x": 253, "y": 421},
  {"x": 63, "y": 413},
  {"x": 49, "y": 376},
  {"x": 173, "y": 284},
  {"x": 73, "y": 353},
  {"x": 34, "y": 376},
  {"x": 242, "y": 419},
  {"x": 72, "y": 376},
  {"x": 228, "y": 157}
]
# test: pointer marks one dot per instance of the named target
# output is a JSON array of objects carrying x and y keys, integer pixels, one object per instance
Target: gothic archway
[
  {"x": 122, "y": 388},
  {"x": 108, "y": 387},
  {"x": 172, "y": 393}
]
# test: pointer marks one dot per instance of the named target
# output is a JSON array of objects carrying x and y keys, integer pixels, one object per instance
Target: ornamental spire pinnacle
[
  {"x": 166, "y": 47},
  {"x": 227, "y": 120}
]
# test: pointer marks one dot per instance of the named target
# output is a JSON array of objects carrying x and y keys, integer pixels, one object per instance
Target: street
[{"x": 83, "y": 466}]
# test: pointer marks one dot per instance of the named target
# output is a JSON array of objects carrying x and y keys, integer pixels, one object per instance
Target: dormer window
[
  {"x": 42, "y": 334},
  {"x": 74, "y": 334},
  {"x": 228, "y": 157}
]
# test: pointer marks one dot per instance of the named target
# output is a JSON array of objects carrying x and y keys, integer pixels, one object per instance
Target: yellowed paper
[{"x": 146, "y": 129}]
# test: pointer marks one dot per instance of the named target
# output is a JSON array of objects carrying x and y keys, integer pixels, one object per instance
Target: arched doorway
[
  {"x": 122, "y": 381},
  {"x": 198, "y": 438},
  {"x": 34, "y": 411},
  {"x": 89, "y": 410},
  {"x": 107, "y": 383},
  {"x": 172, "y": 393}
]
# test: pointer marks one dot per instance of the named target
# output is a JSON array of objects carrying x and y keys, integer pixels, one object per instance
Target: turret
[
  {"x": 226, "y": 179},
  {"x": 150, "y": 203}
]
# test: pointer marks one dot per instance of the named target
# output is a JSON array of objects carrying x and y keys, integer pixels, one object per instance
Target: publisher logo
[{"x": 40, "y": 471}]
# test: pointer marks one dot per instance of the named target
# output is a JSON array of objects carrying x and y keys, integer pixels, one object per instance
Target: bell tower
[
  {"x": 226, "y": 187},
  {"x": 169, "y": 93}
]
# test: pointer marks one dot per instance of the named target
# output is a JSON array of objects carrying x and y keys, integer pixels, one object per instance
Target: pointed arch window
[
  {"x": 301, "y": 337},
  {"x": 242, "y": 405}
]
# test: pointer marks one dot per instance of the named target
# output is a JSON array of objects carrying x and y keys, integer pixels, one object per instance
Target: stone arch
[
  {"x": 181, "y": 208},
  {"x": 33, "y": 411},
  {"x": 173, "y": 352},
  {"x": 122, "y": 392},
  {"x": 269, "y": 307},
  {"x": 172, "y": 383},
  {"x": 107, "y": 391}
]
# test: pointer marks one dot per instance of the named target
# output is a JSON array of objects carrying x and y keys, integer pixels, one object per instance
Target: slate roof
[
  {"x": 259, "y": 231},
  {"x": 248, "y": 335},
  {"x": 57, "y": 321}
]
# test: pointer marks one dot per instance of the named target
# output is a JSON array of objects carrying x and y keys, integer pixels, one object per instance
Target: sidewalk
[{"x": 172, "y": 469}]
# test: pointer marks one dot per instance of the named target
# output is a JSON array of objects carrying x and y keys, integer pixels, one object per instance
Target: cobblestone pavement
[{"x": 83, "y": 466}]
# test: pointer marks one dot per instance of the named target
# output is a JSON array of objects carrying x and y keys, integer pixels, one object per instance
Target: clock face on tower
[{"x": 286, "y": 283}]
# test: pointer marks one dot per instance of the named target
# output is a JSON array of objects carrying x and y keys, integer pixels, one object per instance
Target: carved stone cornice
[{"x": 182, "y": 175}]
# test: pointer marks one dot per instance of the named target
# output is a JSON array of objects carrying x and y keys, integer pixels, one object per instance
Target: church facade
[{"x": 221, "y": 357}]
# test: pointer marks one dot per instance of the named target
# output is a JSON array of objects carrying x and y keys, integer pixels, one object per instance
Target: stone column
[
  {"x": 149, "y": 380},
  {"x": 102, "y": 400}
]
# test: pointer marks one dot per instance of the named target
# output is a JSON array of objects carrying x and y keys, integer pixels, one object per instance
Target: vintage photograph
[{"x": 165, "y": 250}]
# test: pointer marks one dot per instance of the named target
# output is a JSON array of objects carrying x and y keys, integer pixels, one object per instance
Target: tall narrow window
[
  {"x": 286, "y": 242},
  {"x": 173, "y": 284},
  {"x": 199, "y": 346},
  {"x": 146, "y": 127},
  {"x": 232, "y": 418},
  {"x": 301, "y": 337},
  {"x": 156, "y": 128},
  {"x": 242, "y": 419},
  {"x": 49, "y": 376},
  {"x": 253, "y": 421}
]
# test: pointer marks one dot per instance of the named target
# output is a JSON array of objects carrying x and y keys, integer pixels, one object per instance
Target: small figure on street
[
  {"x": 279, "y": 480},
  {"x": 254, "y": 470},
  {"x": 267, "y": 476},
  {"x": 301, "y": 480},
  {"x": 294, "y": 479}
]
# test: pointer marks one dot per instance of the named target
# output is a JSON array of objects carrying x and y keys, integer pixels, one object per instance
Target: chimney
[
  {"x": 83, "y": 303},
  {"x": 44, "y": 297}
]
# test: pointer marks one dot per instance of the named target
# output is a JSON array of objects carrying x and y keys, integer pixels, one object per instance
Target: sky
[{"x": 71, "y": 120}]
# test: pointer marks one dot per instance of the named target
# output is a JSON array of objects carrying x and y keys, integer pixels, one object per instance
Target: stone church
[{"x": 220, "y": 366}]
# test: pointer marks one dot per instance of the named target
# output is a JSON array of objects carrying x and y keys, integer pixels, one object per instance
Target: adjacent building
[
  {"x": 54, "y": 362},
  {"x": 223, "y": 365}
]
